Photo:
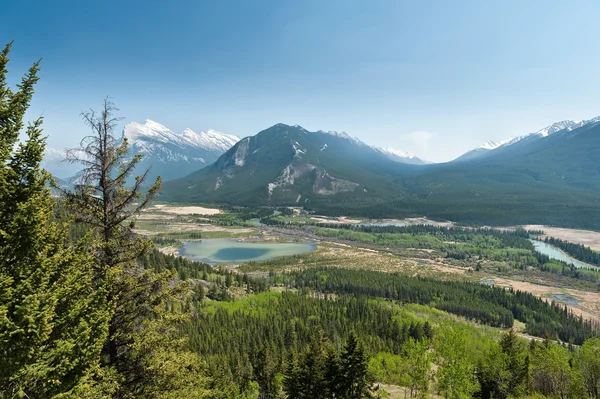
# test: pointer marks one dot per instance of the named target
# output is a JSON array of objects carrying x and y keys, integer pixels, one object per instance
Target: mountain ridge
[{"x": 489, "y": 146}]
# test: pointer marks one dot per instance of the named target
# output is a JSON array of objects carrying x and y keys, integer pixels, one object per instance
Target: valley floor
[{"x": 180, "y": 223}]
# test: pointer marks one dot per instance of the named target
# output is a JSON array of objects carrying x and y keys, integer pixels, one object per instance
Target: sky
[{"x": 435, "y": 78}]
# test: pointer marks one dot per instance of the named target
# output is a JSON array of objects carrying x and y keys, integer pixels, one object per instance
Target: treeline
[
  {"x": 511, "y": 248},
  {"x": 489, "y": 305},
  {"x": 505, "y": 238},
  {"x": 551, "y": 208}
]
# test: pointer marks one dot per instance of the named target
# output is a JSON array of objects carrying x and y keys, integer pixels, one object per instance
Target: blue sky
[{"x": 432, "y": 77}]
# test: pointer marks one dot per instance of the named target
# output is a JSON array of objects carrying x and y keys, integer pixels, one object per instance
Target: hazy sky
[{"x": 435, "y": 78}]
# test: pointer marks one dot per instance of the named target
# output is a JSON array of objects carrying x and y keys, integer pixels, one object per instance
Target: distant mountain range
[
  {"x": 549, "y": 175},
  {"x": 168, "y": 154},
  {"x": 486, "y": 148},
  {"x": 172, "y": 155},
  {"x": 546, "y": 176}
]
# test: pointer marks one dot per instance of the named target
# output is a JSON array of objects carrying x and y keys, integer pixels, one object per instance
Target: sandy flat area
[
  {"x": 334, "y": 220},
  {"x": 589, "y": 302},
  {"x": 190, "y": 227},
  {"x": 586, "y": 237},
  {"x": 414, "y": 221},
  {"x": 185, "y": 210}
]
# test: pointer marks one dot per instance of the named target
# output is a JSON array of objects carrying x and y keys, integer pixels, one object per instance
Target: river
[{"x": 555, "y": 253}]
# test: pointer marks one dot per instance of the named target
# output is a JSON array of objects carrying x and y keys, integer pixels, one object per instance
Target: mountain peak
[
  {"x": 151, "y": 132},
  {"x": 558, "y": 126}
]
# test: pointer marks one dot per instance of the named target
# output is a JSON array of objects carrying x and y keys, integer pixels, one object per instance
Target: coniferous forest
[{"x": 91, "y": 309}]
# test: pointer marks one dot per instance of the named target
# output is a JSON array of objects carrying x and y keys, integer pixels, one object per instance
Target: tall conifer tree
[{"x": 53, "y": 323}]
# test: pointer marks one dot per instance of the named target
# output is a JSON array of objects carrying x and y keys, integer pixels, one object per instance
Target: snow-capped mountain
[
  {"x": 154, "y": 138},
  {"x": 492, "y": 145},
  {"x": 401, "y": 156},
  {"x": 342, "y": 135},
  {"x": 170, "y": 155},
  {"x": 489, "y": 146}
]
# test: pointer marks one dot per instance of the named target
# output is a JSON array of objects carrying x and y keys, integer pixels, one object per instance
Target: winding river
[{"x": 555, "y": 253}]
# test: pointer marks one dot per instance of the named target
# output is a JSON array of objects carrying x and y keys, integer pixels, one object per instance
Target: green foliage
[
  {"x": 418, "y": 367},
  {"x": 589, "y": 364},
  {"x": 504, "y": 372},
  {"x": 456, "y": 375},
  {"x": 144, "y": 347},
  {"x": 552, "y": 372},
  {"x": 229, "y": 334},
  {"x": 52, "y": 322}
]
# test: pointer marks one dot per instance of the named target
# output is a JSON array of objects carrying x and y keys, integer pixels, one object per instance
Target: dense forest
[{"x": 488, "y": 305}]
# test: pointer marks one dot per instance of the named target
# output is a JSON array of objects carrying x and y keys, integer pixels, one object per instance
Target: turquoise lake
[
  {"x": 555, "y": 253},
  {"x": 232, "y": 251}
]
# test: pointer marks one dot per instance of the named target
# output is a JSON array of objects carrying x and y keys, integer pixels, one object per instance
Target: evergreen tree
[
  {"x": 357, "y": 382},
  {"x": 265, "y": 373},
  {"x": 333, "y": 376},
  {"x": 52, "y": 322},
  {"x": 516, "y": 364}
]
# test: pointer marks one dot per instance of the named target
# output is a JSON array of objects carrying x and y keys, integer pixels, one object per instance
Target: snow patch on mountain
[
  {"x": 397, "y": 153},
  {"x": 342, "y": 135},
  {"x": 400, "y": 156},
  {"x": 298, "y": 150},
  {"x": 491, "y": 145}
]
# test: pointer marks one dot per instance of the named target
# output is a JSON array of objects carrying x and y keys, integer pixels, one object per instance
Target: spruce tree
[
  {"x": 53, "y": 322},
  {"x": 265, "y": 373},
  {"x": 357, "y": 383}
]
